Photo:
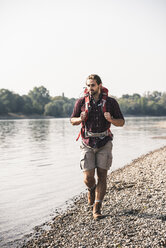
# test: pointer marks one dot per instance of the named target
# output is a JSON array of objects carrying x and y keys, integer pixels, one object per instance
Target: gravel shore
[{"x": 134, "y": 211}]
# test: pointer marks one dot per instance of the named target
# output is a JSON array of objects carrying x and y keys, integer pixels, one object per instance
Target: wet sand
[{"x": 134, "y": 212}]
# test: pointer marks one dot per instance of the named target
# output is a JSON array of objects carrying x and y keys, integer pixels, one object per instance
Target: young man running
[{"x": 96, "y": 111}]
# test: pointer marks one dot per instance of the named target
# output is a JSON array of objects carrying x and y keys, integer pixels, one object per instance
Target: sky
[{"x": 58, "y": 43}]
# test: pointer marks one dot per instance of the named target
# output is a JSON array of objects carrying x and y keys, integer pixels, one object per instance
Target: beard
[{"x": 93, "y": 92}]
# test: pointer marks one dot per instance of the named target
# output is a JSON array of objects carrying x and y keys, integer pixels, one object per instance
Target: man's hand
[
  {"x": 83, "y": 116},
  {"x": 107, "y": 116},
  {"x": 115, "y": 122},
  {"x": 78, "y": 120}
]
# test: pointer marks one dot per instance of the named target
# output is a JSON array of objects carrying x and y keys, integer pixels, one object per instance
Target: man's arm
[
  {"x": 115, "y": 122},
  {"x": 78, "y": 120}
]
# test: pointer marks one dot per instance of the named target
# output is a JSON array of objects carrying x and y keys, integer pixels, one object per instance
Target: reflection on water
[
  {"x": 7, "y": 129},
  {"x": 39, "y": 166},
  {"x": 39, "y": 129}
]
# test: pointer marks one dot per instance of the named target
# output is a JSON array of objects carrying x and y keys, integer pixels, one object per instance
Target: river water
[{"x": 39, "y": 166}]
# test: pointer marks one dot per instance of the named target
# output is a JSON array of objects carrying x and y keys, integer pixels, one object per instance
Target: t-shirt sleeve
[
  {"x": 77, "y": 109},
  {"x": 117, "y": 114}
]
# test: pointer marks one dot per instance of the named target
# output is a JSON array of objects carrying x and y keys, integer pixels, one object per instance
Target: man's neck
[{"x": 96, "y": 97}]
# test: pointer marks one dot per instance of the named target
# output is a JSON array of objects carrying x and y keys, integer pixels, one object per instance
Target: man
[{"x": 96, "y": 111}]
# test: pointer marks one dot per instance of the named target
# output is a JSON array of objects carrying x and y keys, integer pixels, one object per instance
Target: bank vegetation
[{"x": 39, "y": 102}]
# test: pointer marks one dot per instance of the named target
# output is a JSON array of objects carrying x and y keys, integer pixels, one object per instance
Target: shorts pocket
[
  {"x": 109, "y": 160},
  {"x": 109, "y": 154},
  {"x": 82, "y": 160}
]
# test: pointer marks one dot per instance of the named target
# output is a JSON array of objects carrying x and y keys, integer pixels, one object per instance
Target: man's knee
[
  {"x": 89, "y": 176},
  {"x": 101, "y": 174}
]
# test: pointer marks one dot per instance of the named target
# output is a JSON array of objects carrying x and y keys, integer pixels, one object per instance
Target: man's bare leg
[
  {"x": 89, "y": 180},
  {"x": 100, "y": 192},
  {"x": 101, "y": 185}
]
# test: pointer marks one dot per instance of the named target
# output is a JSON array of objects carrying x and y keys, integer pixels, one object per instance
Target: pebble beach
[{"x": 134, "y": 212}]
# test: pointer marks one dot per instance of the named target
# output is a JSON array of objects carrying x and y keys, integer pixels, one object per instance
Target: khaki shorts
[{"x": 96, "y": 157}]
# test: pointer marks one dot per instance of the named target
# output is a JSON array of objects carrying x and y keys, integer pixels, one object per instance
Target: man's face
[{"x": 93, "y": 87}]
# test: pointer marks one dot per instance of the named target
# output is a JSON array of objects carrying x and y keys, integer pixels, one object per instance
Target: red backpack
[{"x": 87, "y": 106}]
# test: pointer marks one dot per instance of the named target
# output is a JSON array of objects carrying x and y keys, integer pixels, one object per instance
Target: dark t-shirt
[{"x": 96, "y": 121}]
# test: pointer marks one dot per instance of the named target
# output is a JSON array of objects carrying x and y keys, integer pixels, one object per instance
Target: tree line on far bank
[
  {"x": 151, "y": 104},
  {"x": 38, "y": 101}
]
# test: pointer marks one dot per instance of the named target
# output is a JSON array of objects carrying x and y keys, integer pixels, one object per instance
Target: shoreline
[
  {"x": 13, "y": 116},
  {"x": 134, "y": 208}
]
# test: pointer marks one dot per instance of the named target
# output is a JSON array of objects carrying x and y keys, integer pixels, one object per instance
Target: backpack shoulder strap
[{"x": 104, "y": 98}]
